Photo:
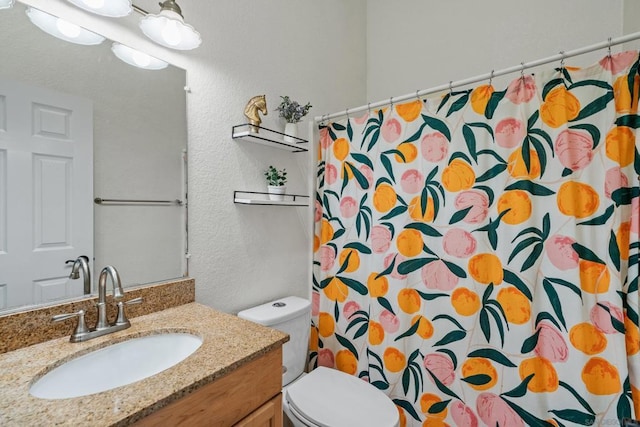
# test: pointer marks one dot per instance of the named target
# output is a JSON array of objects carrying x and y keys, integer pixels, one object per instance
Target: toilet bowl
[{"x": 324, "y": 397}]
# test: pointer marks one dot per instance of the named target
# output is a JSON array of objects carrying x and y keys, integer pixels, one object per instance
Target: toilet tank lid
[{"x": 276, "y": 311}]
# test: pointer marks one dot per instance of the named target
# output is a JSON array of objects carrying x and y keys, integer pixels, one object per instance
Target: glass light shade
[
  {"x": 110, "y": 8},
  {"x": 168, "y": 29},
  {"x": 62, "y": 29},
  {"x": 136, "y": 58},
  {"x": 6, "y": 4}
]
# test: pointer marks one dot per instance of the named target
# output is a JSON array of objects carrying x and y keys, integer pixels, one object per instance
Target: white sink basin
[{"x": 116, "y": 365}]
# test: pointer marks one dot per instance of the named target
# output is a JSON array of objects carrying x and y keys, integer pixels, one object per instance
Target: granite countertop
[{"x": 228, "y": 342}]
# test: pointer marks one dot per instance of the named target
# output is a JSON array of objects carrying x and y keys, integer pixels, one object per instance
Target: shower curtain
[{"x": 476, "y": 255}]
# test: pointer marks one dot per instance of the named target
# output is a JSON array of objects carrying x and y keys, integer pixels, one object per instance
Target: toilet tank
[{"x": 291, "y": 315}]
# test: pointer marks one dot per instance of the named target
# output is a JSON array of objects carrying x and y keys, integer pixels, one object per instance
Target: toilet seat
[{"x": 330, "y": 398}]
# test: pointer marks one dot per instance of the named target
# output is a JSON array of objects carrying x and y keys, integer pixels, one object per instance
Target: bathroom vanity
[{"x": 234, "y": 378}]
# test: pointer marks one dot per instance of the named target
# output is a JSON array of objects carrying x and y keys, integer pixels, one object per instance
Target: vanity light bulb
[
  {"x": 171, "y": 33},
  {"x": 141, "y": 59},
  {"x": 67, "y": 28},
  {"x": 94, "y": 4}
]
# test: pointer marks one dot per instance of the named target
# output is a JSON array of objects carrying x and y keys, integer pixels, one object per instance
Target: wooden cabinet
[
  {"x": 268, "y": 415},
  {"x": 249, "y": 396}
]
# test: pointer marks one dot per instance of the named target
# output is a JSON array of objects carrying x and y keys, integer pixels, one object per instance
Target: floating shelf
[
  {"x": 268, "y": 137},
  {"x": 262, "y": 198}
]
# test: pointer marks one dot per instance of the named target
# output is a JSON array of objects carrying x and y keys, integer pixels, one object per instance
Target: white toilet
[{"x": 324, "y": 397}]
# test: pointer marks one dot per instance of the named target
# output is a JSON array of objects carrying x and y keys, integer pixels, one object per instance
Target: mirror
[{"x": 139, "y": 154}]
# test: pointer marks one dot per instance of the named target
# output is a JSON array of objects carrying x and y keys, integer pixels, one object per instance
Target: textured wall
[{"x": 431, "y": 43}]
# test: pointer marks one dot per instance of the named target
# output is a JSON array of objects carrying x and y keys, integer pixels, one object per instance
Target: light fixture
[
  {"x": 6, "y": 4},
  {"x": 110, "y": 8},
  {"x": 137, "y": 58},
  {"x": 168, "y": 28},
  {"x": 62, "y": 29}
]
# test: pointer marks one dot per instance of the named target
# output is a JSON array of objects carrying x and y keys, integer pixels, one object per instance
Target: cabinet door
[{"x": 268, "y": 415}]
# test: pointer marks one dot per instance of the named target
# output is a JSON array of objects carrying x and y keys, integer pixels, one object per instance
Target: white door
[{"x": 46, "y": 188}]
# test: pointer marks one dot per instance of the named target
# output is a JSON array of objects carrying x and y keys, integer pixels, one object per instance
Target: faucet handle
[
  {"x": 121, "y": 319},
  {"x": 81, "y": 328}
]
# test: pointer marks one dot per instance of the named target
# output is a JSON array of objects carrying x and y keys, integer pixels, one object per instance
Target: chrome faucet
[
  {"x": 102, "y": 294},
  {"x": 103, "y": 327},
  {"x": 81, "y": 264}
]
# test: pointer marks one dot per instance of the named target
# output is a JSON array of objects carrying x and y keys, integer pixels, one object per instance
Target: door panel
[{"x": 46, "y": 192}]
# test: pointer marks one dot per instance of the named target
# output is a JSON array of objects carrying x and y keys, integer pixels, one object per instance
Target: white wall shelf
[
  {"x": 268, "y": 137},
  {"x": 262, "y": 198}
]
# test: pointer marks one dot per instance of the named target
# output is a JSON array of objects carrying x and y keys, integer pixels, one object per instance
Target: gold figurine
[{"x": 255, "y": 105}]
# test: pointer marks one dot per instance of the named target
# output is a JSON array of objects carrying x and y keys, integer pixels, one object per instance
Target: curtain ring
[
  {"x": 522, "y": 71},
  {"x": 391, "y": 103},
  {"x": 369, "y": 108},
  {"x": 346, "y": 112},
  {"x": 450, "y": 87},
  {"x": 609, "y": 47},
  {"x": 418, "y": 94},
  {"x": 491, "y": 77},
  {"x": 562, "y": 60}
]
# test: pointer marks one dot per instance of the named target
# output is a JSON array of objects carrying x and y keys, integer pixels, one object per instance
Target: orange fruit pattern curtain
[{"x": 476, "y": 255}]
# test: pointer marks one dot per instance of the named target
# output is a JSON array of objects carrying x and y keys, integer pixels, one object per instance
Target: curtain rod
[{"x": 452, "y": 84}]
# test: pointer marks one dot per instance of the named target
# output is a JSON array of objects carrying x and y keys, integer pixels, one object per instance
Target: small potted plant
[
  {"x": 292, "y": 112},
  {"x": 276, "y": 178}
]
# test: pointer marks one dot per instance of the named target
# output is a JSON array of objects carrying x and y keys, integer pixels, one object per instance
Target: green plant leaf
[
  {"x": 492, "y": 172},
  {"x": 595, "y": 106},
  {"x": 459, "y": 215},
  {"x": 430, "y": 297},
  {"x": 574, "y": 416},
  {"x": 529, "y": 419},
  {"x": 398, "y": 210},
  {"x": 566, "y": 284},
  {"x": 355, "y": 285},
  {"x": 452, "y": 336},
  {"x": 530, "y": 187},
  {"x": 593, "y": 131},
  {"x": 459, "y": 103},
  {"x": 617, "y": 324},
  {"x": 624, "y": 195},
  {"x": 438, "y": 125},
  {"x": 358, "y": 247},
  {"x": 554, "y": 300},
  {"x": 494, "y": 355},
  {"x": 361, "y": 158},
  {"x": 513, "y": 279},
  {"x": 412, "y": 265},
  {"x": 600, "y": 220},
  {"x": 578, "y": 397},
  {"x": 386, "y": 304},
  {"x": 614, "y": 251},
  {"x": 407, "y": 406},
  {"x": 492, "y": 105},
  {"x": 451, "y": 354},
  {"x": 438, "y": 407},
  {"x": 450, "y": 319},
  {"x": 479, "y": 379},
  {"x": 347, "y": 344},
  {"x": 425, "y": 229},
  {"x": 484, "y": 324},
  {"x": 530, "y": 343},
  {"x": 586, "y": 253},
  {"x": 411, "y": 331},
  {"x": 455, "y": 269},
  {"x": 520, "y": 390},
  {"x": 632, "y": 121},
  {"x": 470, "y": 139},
  {"x": 443, "y": 388},
  {"x": 551, "y": 85}
]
